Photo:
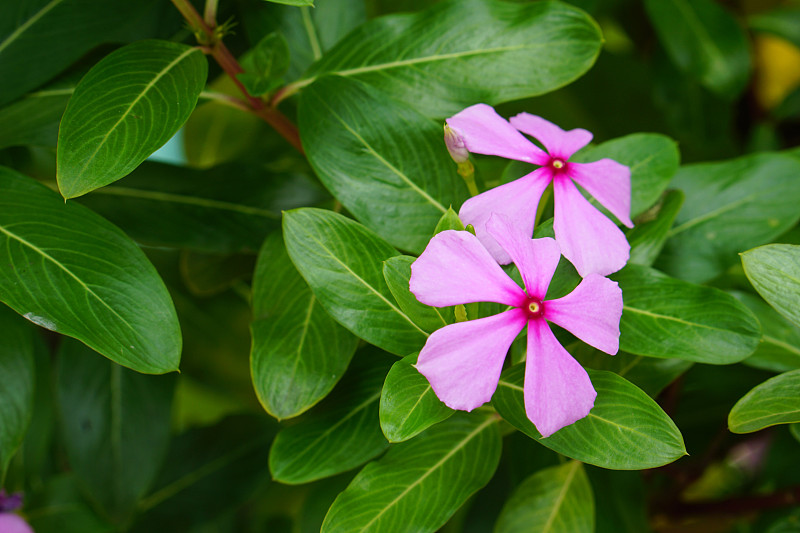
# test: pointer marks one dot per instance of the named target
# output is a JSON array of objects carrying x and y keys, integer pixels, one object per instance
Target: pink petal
[
  {"x": 485, "y": 132},
  {"x": 591, "y": 312},
  {"x": 589, "y": 239},
  {"x": 455, "y": 269},
  {"x": 11, "y": 523},
  {"x": 536, "y": 259},
  {"x": 610, "y": 184},
  {"x": 557, "y": 391},
  {"x": 517, "y": 201},
  {"x": 463, "y": 361},
  {"x": 561, "y": 144}
]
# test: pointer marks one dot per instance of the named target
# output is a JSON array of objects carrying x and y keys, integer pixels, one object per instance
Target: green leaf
[
  {"x": 408, "y": 404},
  {"x": 558, "y": 499},
  {"x": 419, "y": 484},
  {"x": 299, "y": 352},
  {"x": 782, "y": 21},
  {"x": 647, "y": 238},
  {"x": 460, "y": 52},
  {"x": 705, "y": 41},
  {"x": 448, "y": 221},
  {"x": 342, "y": 262},
  {"x": 779, "y": 350},
  {"x": 624, "y": 509},
  {"x": 33, "y": 120},
  {"x": 230, "y": 208},
  {"x": 774, "y": 271},
  {"x": 52, "y": 34},
  {"x": 667, "y": 317},
  {"x": 58, "y": 507},
  {"x": 264, "y": 64},
  {"x": 376, "y": 155},
  {"x": 794, "y": 429},
  {"x": 650, "y": 374},
  {"x": 71, "y": 271},
  {"x": 652, "y": 158},
  {"x": 776, "y": 401},
  {"x": 397, "y": 273},
  {"x": 341, "y": 434},
  {"x": 730, "y": 207},
  {"x": 16, "y": 386},
  {"x": 207, "y": 471},
  {"x": 294, "y": 2},
  {"x": 124, "y": 109},
  {"x": 626, "y": 429},
  {"x": 115, "y": 426}
]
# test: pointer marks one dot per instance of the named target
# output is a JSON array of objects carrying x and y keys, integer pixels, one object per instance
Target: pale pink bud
[{"x": 455, "y": 145}]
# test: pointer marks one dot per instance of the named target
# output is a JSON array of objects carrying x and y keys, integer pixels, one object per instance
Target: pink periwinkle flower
[
  {"x": 463, "y": 361},
  {"x": 11, "y": 523},
  {"x": 592, "y": 242}
]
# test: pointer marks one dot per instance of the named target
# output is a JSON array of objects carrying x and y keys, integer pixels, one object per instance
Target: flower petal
[
  {"x": 463, "y": 361},
  {"x": 536, "y": 259},
  {"x": 589, "y": 239},
  {"x": 557, "y": 389},
  {"x": 591, "y": 312},
  {"x": 455, "y": 269},
  {"x": 610, "y": 184},
  {"x": 517, "y": 201},
  {"x": 561, "y": 144},
  {"x": 485, "y": 132}
]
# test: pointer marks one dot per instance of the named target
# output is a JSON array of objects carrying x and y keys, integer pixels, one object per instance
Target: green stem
[{"x": 210, "y": 13}]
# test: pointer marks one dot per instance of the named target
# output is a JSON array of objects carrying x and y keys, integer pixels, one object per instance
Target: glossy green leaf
[
  {"x": 341, "y": 434},
  {"x": 448, "y": 221},
  {"x": 342, "y": 261},
  {"x": 647, "y": 238},
  {"x": 652, "y": 158},
  {"x": 438, "y": 62},
  {"x": 16, "y": 386},
  {"x": 651, "y": 374},
  {"x": 782, "y": 21},
  {"x": 774, "y": 271},
  {"x": 397, "y": 273},
  {"x": 558, "y": 499},
  {"x": 408, "y": 404},
  {"x": 207, "y": 471},
  {"x": 299, "y": 352},
  {"x": 730, "y": 207},
  {"x": 33, "y": 120},
  {"x": 52, "y": 34},
  {"x": 705, "y": 41},
  {"x": 776, "y": 401},
  {"x": 265, "y": 64},
  {"x": 667, "y": 317},
  {"x": 72, "y": 272},
  {"x": 419, "y": 484},
  {"x": 779, "y": 350},
  {"x": 626, "y": 429},
  {"x": 115, "y": 426},
  {"x": 124, "y": 109},
  {"x": 376, "y": 156}
]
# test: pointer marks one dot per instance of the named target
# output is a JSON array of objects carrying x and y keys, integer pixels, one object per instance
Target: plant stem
[
  {"x": 213, "y": 45},
  {"x": 210, "y": 14}
]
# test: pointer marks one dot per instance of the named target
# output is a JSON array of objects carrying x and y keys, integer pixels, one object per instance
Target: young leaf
[
  {"x": 776, "y": 401},
  {"x": 652, "y": 158},
  {"x": 558, "y": 499},
  {"x": 779, "y": 350},
  {"x": 16, "y": 386},
  {"x": 666, "y": 317},
  {"x": 342, "y": 262},
  {"x": 419, "y": 484},
  {"x": 265, "y": 64},
  {"x": 408, "y": 404},
  {"x": 299, "y": 352},
  {"x": 448, "y": 221},
  {"x": 341, "y": 434},
  {"x": 705, "y": 41},
  {"x": 70, "y": 271},
  {"x": 626, "y": 429},
  {"x": 774, "y": 271},
  {"x": 437, "y": 62},
  {"x": 115, "y": 426},
  {"x": 123, "y": 110},
  {"x": 648, "y": 238},
  {"x": 729, "y": 207},
  {"x": 374, "y": 155},
  {"x": 397, "y": 273}
]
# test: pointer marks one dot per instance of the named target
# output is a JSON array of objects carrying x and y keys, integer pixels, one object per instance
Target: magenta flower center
[{"x": 534, "y": 308}]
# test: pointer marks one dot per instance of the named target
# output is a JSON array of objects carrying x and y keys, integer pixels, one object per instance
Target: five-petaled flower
[
  {"x": 463, "y": 361},
  {"x": 592, "y": 242}
]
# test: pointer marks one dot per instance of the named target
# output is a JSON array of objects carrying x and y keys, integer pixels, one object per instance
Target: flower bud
[{"x": 455, "y": 145}]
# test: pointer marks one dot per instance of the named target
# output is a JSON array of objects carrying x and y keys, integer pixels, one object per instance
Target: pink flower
[
  {"x": 463, "y": 361},
  {"x": 592, "y": 242},
  {"x": 11, "y": 523}
]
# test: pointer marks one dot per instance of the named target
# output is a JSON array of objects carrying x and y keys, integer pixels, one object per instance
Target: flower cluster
[{"x": 463, "y": 361}]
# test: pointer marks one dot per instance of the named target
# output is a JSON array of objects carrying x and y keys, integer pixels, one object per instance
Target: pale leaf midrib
[
  {"x": 22, "y": 28},
  {"x": 560, "y": 499}
]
